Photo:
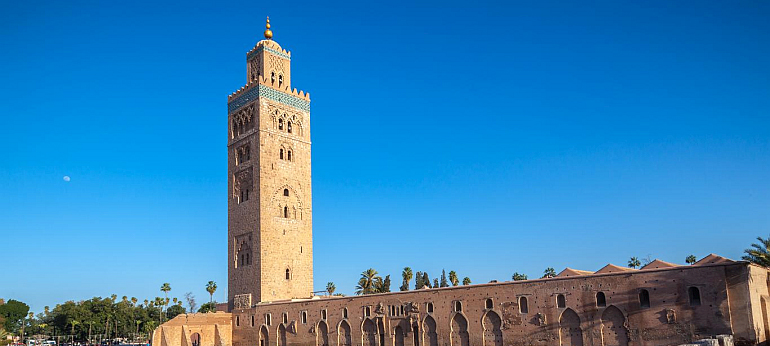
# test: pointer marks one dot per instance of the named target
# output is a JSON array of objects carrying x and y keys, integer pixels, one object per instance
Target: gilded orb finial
[{"x": 268, "y": 32}]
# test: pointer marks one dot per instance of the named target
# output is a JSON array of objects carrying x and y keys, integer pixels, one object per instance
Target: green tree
[
  {"x": 211, "y": 287},
  {"x": 330, "y": 288},
  {"x": 426, "y": 279},
  {"x": 453, "y": 278},
  {"x": 418, "y": 284},
  {"x": 190, "y": 298},
  {"x": 165, "y": 288},
  {"x": 519, "y": 277},
  {"x": 13, "y": 312},
  {"x": 383, "y": 286},
  {"x": 759, "y": 253},
  {"x": 444, "y": 282},
  {"x": 634, "y": 262},
  {"x": 691, "y": 259},
  {"x": 435, "y": 283},
  {"x": 208, "y": 307},
  {"x": 368, "y": 282},
  {"x": 466, "y": 281},
  {"x": 174, "y": 311},
  {"x": 549, "y": 273},
  {"x": 407, "y": 276}
]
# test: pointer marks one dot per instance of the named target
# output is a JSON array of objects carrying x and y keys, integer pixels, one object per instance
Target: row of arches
[{"x": 613, "y": 328}]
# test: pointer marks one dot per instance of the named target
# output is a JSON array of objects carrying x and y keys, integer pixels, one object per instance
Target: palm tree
[
  {"x": 691, "y": 259},
  {"x": 453, "y": 278},
  {"x": 407, "y": 276},
  {"x": 634, "y": 262},
  {"x": 369, "y": 280},
  {"x": 146, "y": 303},
  {"x": 759, "y": 253},
  {"x": 519, "y": 277},
  {"x": 330, "y": 288},
  {"x": 549, "y": 273},
  {"x": 165, "y": 288},
  {"x": 466, "y": 281},
  {"x": 211, "y": 287},
  {"x": 134, "y": 300},
  {"x": 159, "y": 303}
]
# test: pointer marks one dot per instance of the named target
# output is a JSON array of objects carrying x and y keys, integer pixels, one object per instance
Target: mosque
[{"x": 715, "y": 301}]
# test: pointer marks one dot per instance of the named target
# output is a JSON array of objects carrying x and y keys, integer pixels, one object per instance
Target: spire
[{"x": 268, "y": 32}]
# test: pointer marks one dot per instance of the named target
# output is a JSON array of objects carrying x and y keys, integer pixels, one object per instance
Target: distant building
[{"x": 270, "y": 267}]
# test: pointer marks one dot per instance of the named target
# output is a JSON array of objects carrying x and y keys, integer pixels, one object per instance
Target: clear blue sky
[{"x": 485, "y": 139}]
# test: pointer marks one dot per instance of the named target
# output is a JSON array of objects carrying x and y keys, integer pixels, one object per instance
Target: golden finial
[{"x": 268, "y": 32}]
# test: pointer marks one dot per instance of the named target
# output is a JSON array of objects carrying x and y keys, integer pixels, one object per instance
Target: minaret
[{"x": 270, "y": 232}]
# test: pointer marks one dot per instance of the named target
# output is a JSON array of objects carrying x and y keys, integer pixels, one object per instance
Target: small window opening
[
  {"x": 694, "y": 294},
  {"x": 288, "y": 155},
  {"x": 268, "y": 319},
  {"x": 280, "y": 79},
  {"x": 367, "y": 311},
  {"x": 237, "y": 321},
  {"x": 323, "y": 314},
  {"x": 286, "y": 212},
  {"x": 288, "y": 274},
  {"x": 458, "y": 306},
  {"x": 561, "y": 302},
  {"x": 252, "y": 320},
  {"x": 280, "y": 124},
  {"x": 303, "y": 317},
  {"x": 280, "y": 154},
  {"x": 523, "y": 308},
  {"x": 488, "y": 303},
  {"x": 272, "y": 77},
  {"x": 402, "y": 310},
  {"x": 601, "y": 300},
  {"x": 644, "y": 299},
  {"x": 285, "y": 318},
  {"x": 286, "y": 192},
  {"x": 430, "y": 307},
  {"x": 288, "y": 126},
  {"x": 345, "y": 313}
]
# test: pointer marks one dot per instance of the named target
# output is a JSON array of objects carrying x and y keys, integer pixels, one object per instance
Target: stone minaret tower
[{"x": 269, "y": 226}]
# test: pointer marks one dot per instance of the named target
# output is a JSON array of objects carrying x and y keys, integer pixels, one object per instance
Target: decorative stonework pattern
[
  {"x": 242, "y": 301},
  {"x": 269, "y": 93},
  {"x": 269, "y": 50}
]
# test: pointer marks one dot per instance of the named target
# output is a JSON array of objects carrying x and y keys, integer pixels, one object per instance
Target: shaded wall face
[{"x": 670, "y": 319}]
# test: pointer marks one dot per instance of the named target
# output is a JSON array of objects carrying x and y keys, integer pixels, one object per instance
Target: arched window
[
  {"x": 286, "y": 212},
  {"x": 345, "y": 313},
  {"x": 644, "y": 298},
  {"x": 280, "y": 79},
  {"x": 288, "y": 126},
  {"x": 488, "y": 304},
  {"x": 286, "y": 192},
  {"x": 303, "y": 317},
  {"x": 280, "y": 154},
  {"x": 601, "y": 300},
  {"x": 272, "y": 77},
  {"x": 285, "y": 315},
  {"x": 458, "y": 306},
  {"x": 523, "y": 308},
  {"x": 694, "y": 295},
  {"x": 288, "y": 274},
  {"x": 288, "y": 155},
  {"x": 561, "y": 302},
  {"x": 280, "y": 124},
  {"x": 430, "y": 307}
]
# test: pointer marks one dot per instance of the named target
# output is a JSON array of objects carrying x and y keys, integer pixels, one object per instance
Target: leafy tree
[
  {"x": 444, "y": 282},
  {"x": 407, "y": 276},
  {"x": 165, "y": 288},
  {"x": 418, "y": 283},
  {"x": 330, "y": 288},
  {"x": 435, "y": 283},
  {"x": 453, "y": 278},
  {"x": 383, "y": 286},
  {"x": 13, "y": 312},
  {"x": 208, "y": 307},
  {"x": 759, "y": 253},
  {"x": 466, "y": 281},
  {"x": 634, "y": 262},
  {"x": 519, "y": 277},
  {"x": 691, "y": 259},
  {"x": 549, "y": 273},
  {"x": 426, "y": 280},
  {"x": 174, "y": 311},
  {"x": 368, "y": 282},
  {"x": 190, "y": 298},
  {"x": 211, "y": 287}
]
